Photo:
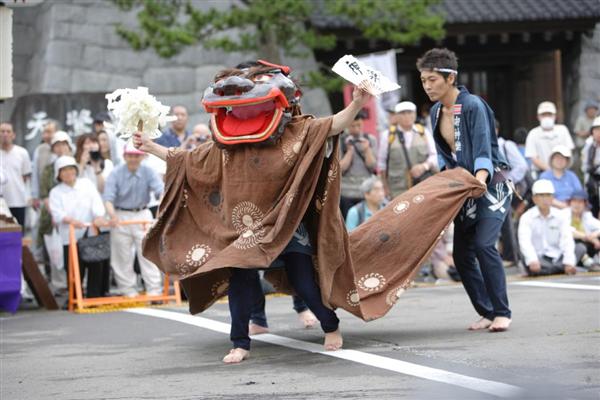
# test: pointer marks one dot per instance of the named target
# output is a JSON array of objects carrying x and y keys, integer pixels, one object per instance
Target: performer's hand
[
  {"x": 570, "y": 270},
  {"x": 361, "y": 94},
  {"x": 535, "y": 266},
  {"x": 142, "y": 142}
]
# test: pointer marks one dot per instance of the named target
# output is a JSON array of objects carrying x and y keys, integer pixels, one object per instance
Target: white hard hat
[
  {"x": 596, "y": 122},
  {"x": 61, "y": 136},
  {"x": 542, "y": 186},
  {"x": 546, "y": 107},
  {"x": 562, "y": 150},
  {"x": 405, "y": 106},
  {"x": 62, "y": 162}
]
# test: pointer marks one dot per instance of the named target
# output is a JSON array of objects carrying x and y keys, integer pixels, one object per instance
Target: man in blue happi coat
[{"x": 464, "y": 133}]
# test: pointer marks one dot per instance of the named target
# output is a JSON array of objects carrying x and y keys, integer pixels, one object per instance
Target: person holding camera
[
  {"x": 357, "y": 162},
  {"x": 90, "y": 162},
  {"x": 407, "y": 152},
  {"x": 590, "y": 165},
  {"x": 200, "y": 134}
]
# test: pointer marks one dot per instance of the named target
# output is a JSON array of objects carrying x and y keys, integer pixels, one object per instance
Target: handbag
[{"x": 94, "y": 248}]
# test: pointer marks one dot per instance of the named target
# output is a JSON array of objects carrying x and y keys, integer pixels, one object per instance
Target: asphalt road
[{"x": 420, "y": 350}]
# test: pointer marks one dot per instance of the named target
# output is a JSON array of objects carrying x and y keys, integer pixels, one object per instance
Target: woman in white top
[
  {"x": 76, "y": 201},
  {"x": 586, "y": 231},
  {"x": 91, "y": 163}
]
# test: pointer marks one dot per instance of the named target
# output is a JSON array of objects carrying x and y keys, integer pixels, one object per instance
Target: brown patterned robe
[{"x": 240, "y": 208}]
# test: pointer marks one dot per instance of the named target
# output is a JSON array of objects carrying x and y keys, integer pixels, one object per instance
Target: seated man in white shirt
[{"x": 545, "y": 236}]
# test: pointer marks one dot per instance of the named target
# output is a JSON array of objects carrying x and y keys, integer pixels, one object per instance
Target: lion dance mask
[{"x": 251, "y": 105}]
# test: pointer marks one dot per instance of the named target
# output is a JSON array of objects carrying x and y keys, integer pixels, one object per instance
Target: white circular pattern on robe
[
  {"x": 371, "y": 282},
  {"x": 245, "y": 215},
  {"x": 219, "y": 288},
  {"x": 392, "y": 296},
  {"x": 401, "y": 207},
  {"x": 247, "y": 221},
  {"x": 183, "y": 269},
  {"x": 197, "y": 255},
  {"x": 289, "y": 198},
  {"x": 353, "y": 298},
  {"x": 418, "y": 199},
  {"x": 332, "y": 173},
  {"x": 225, "y": 157},
  {"x": 291, "y": 149}
]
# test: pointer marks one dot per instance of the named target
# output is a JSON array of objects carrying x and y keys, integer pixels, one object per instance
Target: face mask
[{"x": 547, "y": 123}]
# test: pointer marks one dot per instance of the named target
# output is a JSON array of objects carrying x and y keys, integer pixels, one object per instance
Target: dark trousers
[
  {"x": 548, "y": 266},
  {"x": 19, "y": 214},
  {"x": 485, "y": 283},
  {"x": 97, "y": 275},
  {"x": 259, "y": 317},
  {"x": 346, "y": 204},
  {"x": 508, "y": 237},
  {"x": 245, "y": 292}
]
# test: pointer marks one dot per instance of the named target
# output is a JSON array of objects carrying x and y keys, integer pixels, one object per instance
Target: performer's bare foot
[
  {"x": 254, "y": 329},
  {"x": 500, "y": 324},
  {"x": 307, "y": 319},
  {"x": 483, "y": 323},
  {"x": 333, "y": 341},
  {"x": 236, "y": 356}
]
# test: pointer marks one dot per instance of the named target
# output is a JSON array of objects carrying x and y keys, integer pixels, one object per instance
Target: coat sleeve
[{"x": 480, "y": 134}]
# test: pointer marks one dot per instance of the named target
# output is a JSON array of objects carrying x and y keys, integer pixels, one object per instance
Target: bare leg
[{"x": 236, "y": 356}]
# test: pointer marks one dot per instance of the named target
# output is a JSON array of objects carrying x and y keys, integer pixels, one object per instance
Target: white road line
[
  {"x": 557, "y": 285},
  {"x": 439, "y": 375}
]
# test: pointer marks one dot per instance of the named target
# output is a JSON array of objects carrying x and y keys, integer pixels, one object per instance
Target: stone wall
[
  {"x": 587, "y": 73},
  {"x": 70, "y": 46}
]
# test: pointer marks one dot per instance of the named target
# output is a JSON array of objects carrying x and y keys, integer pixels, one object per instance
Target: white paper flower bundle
[{"x": 137, "y": 110}]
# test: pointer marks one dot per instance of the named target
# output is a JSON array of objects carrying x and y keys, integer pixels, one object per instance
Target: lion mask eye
[{"x": 262, "y": 78}]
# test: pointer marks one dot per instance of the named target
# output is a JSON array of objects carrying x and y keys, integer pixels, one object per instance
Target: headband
[{"x": 448, "y": 70}]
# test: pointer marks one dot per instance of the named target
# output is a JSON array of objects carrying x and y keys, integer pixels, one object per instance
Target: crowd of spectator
[{"x": 553, "y": 225}]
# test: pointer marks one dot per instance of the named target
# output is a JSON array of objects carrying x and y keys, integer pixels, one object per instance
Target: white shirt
[
  {"x": 81, "y": 202},
  {"x": 540, "y": 143},
  {"x": 408, "y": 138},
  {"x": 89, "y": 172},
  {"x": 15, "y": 164},
  {"x": 549, "y": 236}
]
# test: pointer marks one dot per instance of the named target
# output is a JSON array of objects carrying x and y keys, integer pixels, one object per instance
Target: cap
[
  {"x": 591, "y": 104},
  {"x": 546, "y": 107},
  {"x": 562, "y": 150},
  {"x": 596, "y": 122},
  {"x": 405, "y": 106},
  {"x": 62, "y": 162},
  {"x": 579, "y": 194},
  {"x": 130, "y": 149},
  {"x": 61, "y": 136},
  {"x": 542, "y": 186}
]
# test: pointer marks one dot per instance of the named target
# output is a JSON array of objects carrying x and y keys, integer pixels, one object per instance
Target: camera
[{"x": 95, "y": 156}]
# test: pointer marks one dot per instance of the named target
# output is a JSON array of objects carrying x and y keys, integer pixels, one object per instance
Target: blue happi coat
[{"x": 476, "y": 147}]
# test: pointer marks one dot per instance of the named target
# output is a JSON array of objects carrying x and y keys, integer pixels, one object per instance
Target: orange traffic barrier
[{"x": 78, "y": 303}]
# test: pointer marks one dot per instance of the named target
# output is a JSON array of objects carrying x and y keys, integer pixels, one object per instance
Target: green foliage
[{"x": 267, "y": 27}]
